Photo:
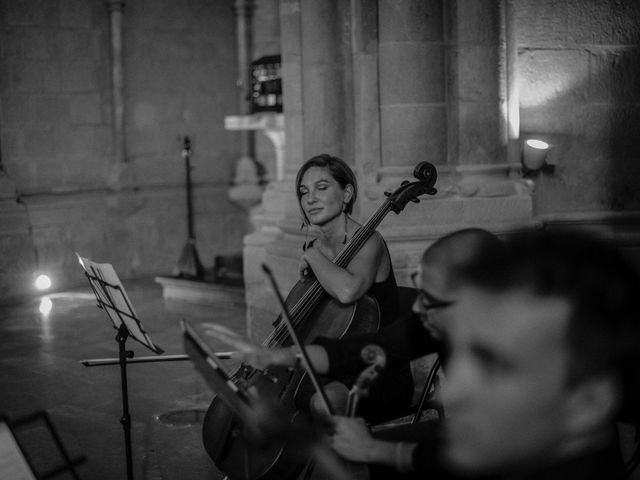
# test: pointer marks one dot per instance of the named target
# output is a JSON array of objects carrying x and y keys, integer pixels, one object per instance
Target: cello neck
[{"x": 361, "y": 236}]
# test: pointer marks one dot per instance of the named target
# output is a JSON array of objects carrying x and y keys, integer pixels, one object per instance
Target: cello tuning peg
[
  {"x": 387, "y": 194},
  {"x": 404, "y": 182},
  {"x": 415, "y": 200}
]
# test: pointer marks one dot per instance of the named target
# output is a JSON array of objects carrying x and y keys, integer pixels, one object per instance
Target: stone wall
[
  {"x": 579, "y": 84},
  {"x": 58, "y": 148}
]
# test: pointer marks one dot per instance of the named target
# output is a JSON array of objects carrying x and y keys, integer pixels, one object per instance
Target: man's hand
[
  {"x": 352, "y": 439},
  {"x": 247, "y": 351}
]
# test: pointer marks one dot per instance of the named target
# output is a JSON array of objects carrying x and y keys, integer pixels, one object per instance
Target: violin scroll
[{"x": 375, "y": 357}]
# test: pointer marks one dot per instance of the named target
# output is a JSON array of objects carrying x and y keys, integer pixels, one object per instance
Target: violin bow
[{"x": 306, "y": 363}]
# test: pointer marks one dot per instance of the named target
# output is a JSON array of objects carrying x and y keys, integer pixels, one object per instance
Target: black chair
[{"x": 629, "y": 434}]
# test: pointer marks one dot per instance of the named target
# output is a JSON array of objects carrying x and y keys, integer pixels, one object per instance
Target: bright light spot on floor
[
  {"x": 45, "y": 306},
  {"x": 539, "y": 144},
  {"x": 43, "y": 282}
]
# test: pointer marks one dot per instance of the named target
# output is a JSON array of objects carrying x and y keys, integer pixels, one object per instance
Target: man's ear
[{"x": 593, "y": 403}]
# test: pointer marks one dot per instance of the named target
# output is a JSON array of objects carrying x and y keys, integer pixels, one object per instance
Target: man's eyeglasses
[{"x": 427, "y": 300}]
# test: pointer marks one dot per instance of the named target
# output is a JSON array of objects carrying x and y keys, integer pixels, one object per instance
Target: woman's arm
[{"x": 348, "y": 285}]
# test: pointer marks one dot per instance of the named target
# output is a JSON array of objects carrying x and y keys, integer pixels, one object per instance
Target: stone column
[
  {"x": 513, "y": 96},
  {"x": 366, "y": 91},
  {"x": 119, "y": 174},
  {"x": 412, "y": 82},
  {"x": 244, "y": 42},
  {"x": 482, "y": 101},
  {"x": 326, "y": 78},
  {"x": 475, "y": 98},
  {"x": 246, "y": 190}
]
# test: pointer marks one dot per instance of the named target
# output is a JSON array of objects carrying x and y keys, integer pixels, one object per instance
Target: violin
[
  {"x": 375, "y": 358},
  {"x": 313, "y": 313}
]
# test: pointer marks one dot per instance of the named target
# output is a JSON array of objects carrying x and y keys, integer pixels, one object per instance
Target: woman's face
[{"x": 321, "y": 197}]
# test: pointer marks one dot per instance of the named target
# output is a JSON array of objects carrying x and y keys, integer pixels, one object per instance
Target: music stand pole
[{"x": 121, "y": 338}]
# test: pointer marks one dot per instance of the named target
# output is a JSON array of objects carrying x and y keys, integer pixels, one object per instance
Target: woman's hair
[{"x": 338, "y": 169}]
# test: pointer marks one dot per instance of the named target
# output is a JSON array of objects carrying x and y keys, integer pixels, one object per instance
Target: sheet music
[
  {"x": 113, "y": 298},
  {"x": 13, "y": 465}
]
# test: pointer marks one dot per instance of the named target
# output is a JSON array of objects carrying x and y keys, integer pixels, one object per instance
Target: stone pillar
[
  {"x": 244, "y": 42},
  {"x": 413, "y": 108},
  {"x": 482, "y": 101},
  {"x": 475, "y": 97},
  {"x": 326, "y": 78},
  {"x": 366, "y": 91},
  {"x": 119, "y": 174},
  {"x": 513, "y": 96},
  {"x": 246, "y": 189}
]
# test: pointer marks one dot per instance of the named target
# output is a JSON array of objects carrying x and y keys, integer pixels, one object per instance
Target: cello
[{"x": 313, "y": 313}]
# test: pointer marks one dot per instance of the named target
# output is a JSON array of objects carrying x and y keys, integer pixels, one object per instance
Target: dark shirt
[
  {"x": 600, "y": 464},
  {"x": 390, "y": 395},
  {"x": 403, "y": 340}
]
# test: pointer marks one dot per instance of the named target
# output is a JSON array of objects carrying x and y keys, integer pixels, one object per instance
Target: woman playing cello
[
  {"x": 347, "y": 288},
  {"x": 326, "y": 188}
]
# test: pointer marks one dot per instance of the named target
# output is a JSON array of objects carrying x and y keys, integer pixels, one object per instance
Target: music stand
[
  {"x": 112, "y": 298},
  {"x": 15, "y": 461}
]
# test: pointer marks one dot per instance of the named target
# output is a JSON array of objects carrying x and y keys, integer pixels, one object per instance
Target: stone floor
[{"x": 40, "y": 369}]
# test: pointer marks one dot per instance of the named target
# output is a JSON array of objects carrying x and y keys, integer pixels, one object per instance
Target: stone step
[{"x": 197, "y": 292}]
